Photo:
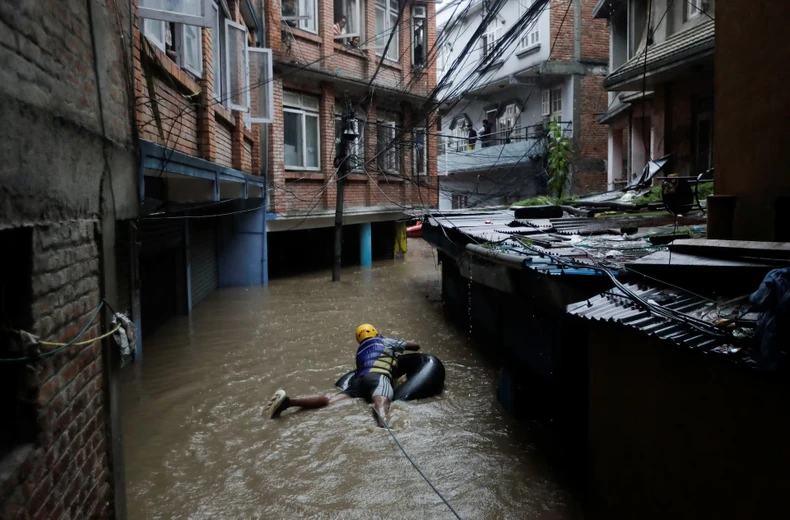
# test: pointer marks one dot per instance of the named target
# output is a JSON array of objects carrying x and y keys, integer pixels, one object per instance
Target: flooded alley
[{"x": 197, "y": 444}]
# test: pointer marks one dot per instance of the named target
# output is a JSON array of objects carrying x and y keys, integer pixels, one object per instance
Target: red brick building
[{"x": 394, "y": 157}]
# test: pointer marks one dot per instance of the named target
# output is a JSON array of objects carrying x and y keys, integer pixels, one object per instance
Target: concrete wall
[
  {"x": 747, "y": 55},
  {"x": 514, "y": 61},
  {"x": 679, "y": 434},
  {"x": 69, "y": 170}
]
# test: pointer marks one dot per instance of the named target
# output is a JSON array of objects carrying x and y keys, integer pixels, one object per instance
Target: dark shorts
[{"x": 369, "y": 386}]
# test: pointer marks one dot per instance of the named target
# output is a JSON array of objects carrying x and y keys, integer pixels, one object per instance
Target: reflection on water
[{"x": 197, "y": 445}]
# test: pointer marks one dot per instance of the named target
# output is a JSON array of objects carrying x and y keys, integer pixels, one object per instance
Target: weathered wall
[
  {"x": 65, "y": 471},
  {"x": 68, "y": 169},
  {"x": 746, "y": 61},
  {"x": 52, "y": 128},
  {"x": 679, "y": 434}
]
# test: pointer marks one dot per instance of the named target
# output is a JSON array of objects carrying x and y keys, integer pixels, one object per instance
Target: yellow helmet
[{"x": 365, "y": 331}]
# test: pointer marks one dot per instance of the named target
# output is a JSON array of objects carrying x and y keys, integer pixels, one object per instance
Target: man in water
[{"x": 377, "y": 359}]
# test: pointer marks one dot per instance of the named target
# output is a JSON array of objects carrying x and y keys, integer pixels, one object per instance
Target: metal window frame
[
  {"x": 303, "y": 113},
  {"x": 269, "y": 77},
  {"x": 204, "y": 20},
  {"x": 424, "y": 18},
  {"x": 245, "y": 74},
  {"x": 391, "y": 146},
  {"x": 161, "y": 45},
  {"x": 217, "y": 38},
  {"x": 389, "y": 7},
  {"x": 545, "y": 103},
  {"x": 360, "y": 19},
  {"x": 303, "y": 19},
  {"x": 182, "y": 46}
]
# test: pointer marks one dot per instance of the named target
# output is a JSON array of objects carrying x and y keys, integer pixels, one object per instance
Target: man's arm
[{"x": 410, "y": 345}]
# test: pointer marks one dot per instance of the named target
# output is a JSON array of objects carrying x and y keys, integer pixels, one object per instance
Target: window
[
  {"x": 386, "y": 24},
  {"x": 356, "y": 150},
  {"x": 510, "y": 123},
  {"x": 533, "y": 34},
  {"x": 236, "y": 65},
  {"x": 190, "y": 52},
  {"x": 349, "y": 21},
  {"x": 419, "y": 155},
  {"x": 545, "y": 103},
  {"x": 460, "y": 134},
  {"x": 489, "y": 40},
  {"x": 460, "y": 201},
  {"x": 302, "y": 14},
  {"x": 556, "y": 102},
  {"x": 551, "y": 103},
  {"x": 696, "y": 8},
  {"x": 387, "y": 147},
  {"x": 17, "y": 399},
  {"x": 186, "y": 48},
  {"x": 259, "y": 85},
  {"x": 301, "y": 132},
  {"x": 154, "y": 30},
  {"x": 187, "y": 12},
  {"x": 217, "y": 44},
  {"x": 418, "y": 27},
  {"x": 443, "y": 59}
]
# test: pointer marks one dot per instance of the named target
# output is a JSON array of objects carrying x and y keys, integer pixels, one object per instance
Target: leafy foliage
[{"x": 559, "y": 163}]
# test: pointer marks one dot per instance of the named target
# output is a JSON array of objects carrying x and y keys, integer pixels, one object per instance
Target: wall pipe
[{"x": 497, "y": 257}]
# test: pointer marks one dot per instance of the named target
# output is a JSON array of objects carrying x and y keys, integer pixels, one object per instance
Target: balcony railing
[{"x": 504, "y": 148}]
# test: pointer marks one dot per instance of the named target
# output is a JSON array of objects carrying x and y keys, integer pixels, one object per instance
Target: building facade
[
  {"x": 551, "y": 71},
  {"x": 69, "y": 170},
  {"x": 660, "y": 86},
  {"x": 376, "y": 56}
]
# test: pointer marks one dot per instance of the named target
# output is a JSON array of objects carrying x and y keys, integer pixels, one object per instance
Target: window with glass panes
[
  {"x": 386, "y": 144},
  {"x": 301, "y": 134},
  {"x": 386, "y": 24}
]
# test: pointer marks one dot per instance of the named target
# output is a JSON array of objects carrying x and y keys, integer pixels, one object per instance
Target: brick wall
[
  {"x": 191, "y": 118},
  {"x": 561, "y": 32},
  {"x": 316, "y": 191},
  {"x": 66, "y": 471},
  {"x": 590, "y": 173},
  {"x": 595, "y": 34}
]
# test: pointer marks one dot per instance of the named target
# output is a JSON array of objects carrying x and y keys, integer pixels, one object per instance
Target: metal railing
[{"x": 456, "y": 144}]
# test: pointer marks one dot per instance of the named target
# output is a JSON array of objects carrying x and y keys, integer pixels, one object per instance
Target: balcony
[{"x": 506, "y": 148}]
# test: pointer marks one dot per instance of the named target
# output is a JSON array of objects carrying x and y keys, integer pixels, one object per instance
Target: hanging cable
[{"x": 387, "y": 426}]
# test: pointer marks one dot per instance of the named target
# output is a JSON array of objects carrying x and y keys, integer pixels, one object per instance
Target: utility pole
[{"x": 343, "y": 166}]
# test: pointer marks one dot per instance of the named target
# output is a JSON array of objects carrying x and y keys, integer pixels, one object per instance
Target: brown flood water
[{"x": 197, "y": 446}]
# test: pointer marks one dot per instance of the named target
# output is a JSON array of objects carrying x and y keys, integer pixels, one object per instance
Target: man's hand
[{"x": 412, "y": 346}]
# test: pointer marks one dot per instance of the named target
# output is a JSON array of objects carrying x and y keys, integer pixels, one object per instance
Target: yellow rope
[{"x": 86, "y": 342}]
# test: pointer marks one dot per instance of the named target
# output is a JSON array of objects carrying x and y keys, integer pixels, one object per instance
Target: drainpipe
[{"x": 497, "y": 257}]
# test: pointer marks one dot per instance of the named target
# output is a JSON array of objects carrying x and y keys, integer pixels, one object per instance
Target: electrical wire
[{"x": 63, "y": 346}]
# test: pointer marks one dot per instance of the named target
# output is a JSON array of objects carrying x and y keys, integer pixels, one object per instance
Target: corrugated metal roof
[
  {"x": 614, "y": 306},
  {"x": 693, "y": 42}
]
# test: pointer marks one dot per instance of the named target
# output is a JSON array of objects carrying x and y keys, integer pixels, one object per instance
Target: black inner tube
[{"x": 424, "y": 377}]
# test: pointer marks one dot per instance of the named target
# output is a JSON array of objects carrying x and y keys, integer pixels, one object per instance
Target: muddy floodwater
[{"x": 197, "y": 445}]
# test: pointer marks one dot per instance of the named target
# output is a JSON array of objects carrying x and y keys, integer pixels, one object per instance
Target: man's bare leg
[
  {"x": 280, "y": 402},
  {"x": 382, "y": 405}
]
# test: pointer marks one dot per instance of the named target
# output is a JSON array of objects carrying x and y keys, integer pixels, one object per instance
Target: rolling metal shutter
[{"x": 204, "y": 272}]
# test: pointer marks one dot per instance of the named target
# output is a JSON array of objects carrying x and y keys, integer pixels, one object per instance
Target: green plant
[
  {"x": 654, "y": 195},
  {"x": 559, "y": 164},
  {"x": 544, "y": 200}
]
